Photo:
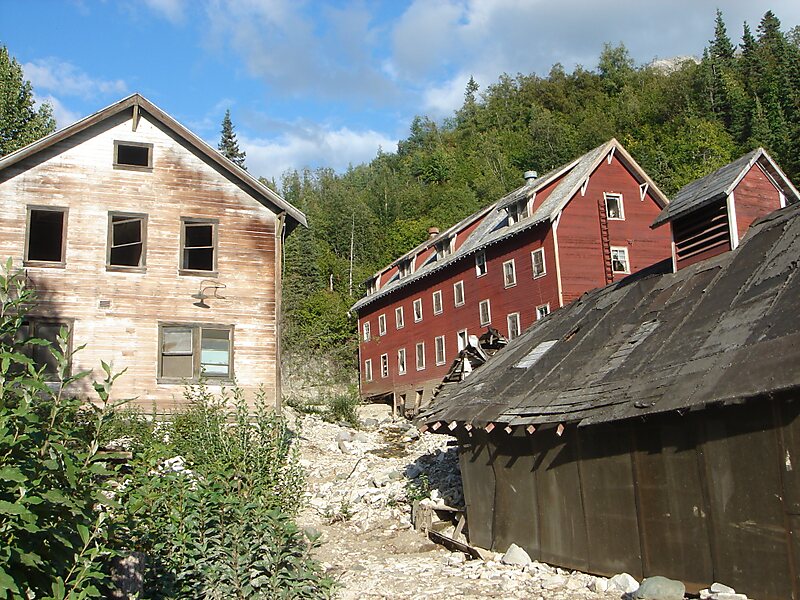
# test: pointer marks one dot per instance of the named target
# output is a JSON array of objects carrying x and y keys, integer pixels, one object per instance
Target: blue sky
[{"x": 328, "y": 83}]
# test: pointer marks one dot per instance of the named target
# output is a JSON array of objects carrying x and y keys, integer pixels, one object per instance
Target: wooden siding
[
  {"x": 755, "y": 196},
  {"x": 77, "y": 173}
]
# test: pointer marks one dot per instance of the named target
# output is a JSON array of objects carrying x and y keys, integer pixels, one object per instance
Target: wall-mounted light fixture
[{"x": 202, "y": 296}]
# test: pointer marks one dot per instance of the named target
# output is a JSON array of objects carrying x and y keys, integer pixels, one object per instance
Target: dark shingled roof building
[{"x": 651, "y": 426}]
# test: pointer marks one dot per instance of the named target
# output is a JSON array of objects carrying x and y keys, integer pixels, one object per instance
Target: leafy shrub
[{"x": 344, "y": 407}]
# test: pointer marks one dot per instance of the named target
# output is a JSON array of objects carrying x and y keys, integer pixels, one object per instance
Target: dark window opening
[
  {"x": 46, "y": 235},
  {"x": 127, "y": 241},
  {"x": 198, "y": 246},
  {"x": 131, "y": 155},
  {"x": 42, "y": 355}
]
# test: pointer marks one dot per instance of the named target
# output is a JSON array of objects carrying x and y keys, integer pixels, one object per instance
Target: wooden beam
[{"x": 135, "y": 122}]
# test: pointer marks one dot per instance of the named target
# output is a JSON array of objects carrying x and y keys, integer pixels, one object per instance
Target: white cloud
[
  {"x": 66, "y": 79},
  {"x": 63, "y": 115},
  {"x": 312, "y": 146},
  {"x": 172, "y": 10}
]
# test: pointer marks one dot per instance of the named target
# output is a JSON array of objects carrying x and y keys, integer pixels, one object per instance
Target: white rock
[
  {"x": 553, "y": 582},
  {"x": 598, "y": 585},
  {"x": 515, "y": 556},
  {"x": 721, "y": 587},
  {"x": 727, "y": 596},
  {"x": 624, "y": 583}
]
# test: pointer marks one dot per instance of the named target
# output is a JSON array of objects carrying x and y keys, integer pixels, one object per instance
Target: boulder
[
  {"x": 660, "y": 588},
  {"x": 717, "y": 587},
  {"x": 515, "y": 556},
  {"x": 624, "y": 583}
]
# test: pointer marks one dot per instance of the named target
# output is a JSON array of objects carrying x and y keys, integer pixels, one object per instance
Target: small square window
[
  {"x": 542, "y": 311},
  {"x": 382, "y": 325},
  {"x": 418, "y": 310},
  {"x": 401, "y": 361},
  {"x": 368, "y": 370},
  {"x": 509, "y": 273},
  {"x": 480, "y": 264},
  {"x": 198, "y": 245},
  {"x": 619, "y": 260},
  {"x": 485, "y": 312},
  {"x": 462, "y": 339},
  {"x": 441, "y": 358},
  {"x": 46, "y": 236},
  {"x": 384, "y": 366},
  {"x": 537, "y": 258},
  {"x": 133, "y": 155},
  {"x": 614, "y": 208},
  {"x": 437, "y": 302},
  {"x": 399, "y": 318},
  {"x": 126, "y": 240},
  {"x": 458, "y": 293},
  {"x": 366, "y": 328},
  {"x": 420, "y": 356},
  {"x": 513, "y": 325}
]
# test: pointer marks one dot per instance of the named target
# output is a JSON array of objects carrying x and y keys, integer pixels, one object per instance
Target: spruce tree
[
  {"x": 721, "y": 46},
  {"x": 228, "y": 145}
]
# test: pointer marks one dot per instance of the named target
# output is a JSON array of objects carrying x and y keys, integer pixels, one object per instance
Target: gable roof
[
  {"x": 492, "y": 229},
  {"x": 721, "y": 183},
  {"x": 718, "y": 331},
  {"x": 259, "y": 191}
]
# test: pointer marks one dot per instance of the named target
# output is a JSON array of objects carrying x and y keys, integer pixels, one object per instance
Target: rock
[
  {"x": 727, "y": 596},
  {"x": 484, "y": 554},
  {"x": 344, "y": 436},
  {"x": 361, "y": 437},
  {"x": 553, "y": 582},
  {"x": 344, "y": 447},
  {"x": 411, "y": 435},
  {"x": 395, "y": 475},
  {"x": 721, "y": 587},
  {"x": 660, "y": 588},
  {"x": 598, "y": 585},
  {"x": 515, "y": 556},
  {"x": 370, "y": 423},
  {"x": 624, "y": 583}
]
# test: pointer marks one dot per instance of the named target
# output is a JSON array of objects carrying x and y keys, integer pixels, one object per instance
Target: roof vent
[
  {"x": 530, "y": 176},
  {"x": 432, "y": 232}
]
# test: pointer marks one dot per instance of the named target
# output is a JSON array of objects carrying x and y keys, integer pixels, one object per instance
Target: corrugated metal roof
[{"x": 719, "y": 331}]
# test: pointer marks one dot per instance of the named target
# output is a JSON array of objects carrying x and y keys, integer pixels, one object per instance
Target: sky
[{"x": 328, "y": 83}]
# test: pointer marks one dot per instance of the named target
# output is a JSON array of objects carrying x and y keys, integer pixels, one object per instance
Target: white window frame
[
  {"x": 539, "y": 313},
  {"x": 624, "y": 251},
  {"x": 438, "y": 304},
  {"x": 367, "y": 334},
  {"x": 399, "y": 318},
  {"x": 368, "y": 370},
  {"x": 515, "y": 317},
  {"x": 384, "y": 366},
  {"x": 459, "y": 285},
  {"x": 486, "y": 318},
  {"x": 618, "y": 197},
  {"x": 417, "y": 310},
  {"x": 539, "y": 251},
  {"x": 481, "y": 268},
  {"x": 382, "y": 324},
  {"x": 462, "y": 339},
  {"x": 401, "y": 361},
  {"x": 513, "y": 281},
  {"x": 420, "y": 352},
  {"x": 439, "y": 344}
]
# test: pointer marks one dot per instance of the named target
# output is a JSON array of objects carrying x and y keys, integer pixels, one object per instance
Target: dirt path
[{"x": 358, "y": 503}]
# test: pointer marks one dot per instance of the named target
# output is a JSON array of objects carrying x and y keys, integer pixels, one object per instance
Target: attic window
[
  {"x": 445, "y": 248},
  {"x": 532, "y": 357},
  {"x": 406, "y": 268},
  {"x": 136, "y": 155},
  {"x": 615, "y": 211},
  {"x": 46, "y": 233},
  {"x": 518, "y": 211}
]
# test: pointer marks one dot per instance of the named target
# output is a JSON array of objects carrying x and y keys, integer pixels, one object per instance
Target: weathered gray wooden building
[
  {"x": 158, "y": 253},
  {"x": 650, "y": 427}
]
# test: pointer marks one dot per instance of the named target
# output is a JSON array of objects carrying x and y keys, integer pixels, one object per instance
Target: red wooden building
[
  {"x": 579, "y": 227},
  {"x": 711, "y": 215}
]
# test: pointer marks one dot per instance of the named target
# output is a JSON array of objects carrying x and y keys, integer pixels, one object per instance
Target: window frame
[
  {"x": 618, "y": 197},
  {"x": 29, "y": 262},
  {"x": 506, "y": 283},
  {"x": 539, "y": 251},
  {"x": 434, "y": 296},
  {"x": 420, "y": 364},
  {"x": 624, "y": 250},
  {"x": 539, "y": 314},
  {"x": 384, "y": 366},
  {"x": 128, "y": 167},
  {"x": 368, "y": 370},
  {"x": 462, "y": 341},
  {"x": 480, "y": 261},
  {"x": 197, "y": 353},
  {"x": 459, "y": 285},
  {"x": 382, "y": 324},
  {"x": 214, "y": 241},
  {"x": 33, "y": 322},
  {"x": 487, "y": 318},
  {"x": 142, "y": 267},
  {"x": 401, "y": 364},
  {"x": 366, "y": 330},
  {"x": 436, "y": 345},
  {"x": 508, "y": 325},
  {"x": 399, "y": 318},
  {"x": 417, "y": 314}
]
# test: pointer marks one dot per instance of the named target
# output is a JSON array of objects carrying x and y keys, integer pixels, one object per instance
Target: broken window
[
  {"x": 382, "y": 325},
  {"x": 46, "y": 235},
  {"x": 537, "y": 259},
  {"x": 192, "y": 351},
  {"x": 41, "y": 355},
  {"x": 418, "y": 310},
  {"x": 485, "y": 312},
  {"x": 437, "y": 302},
  {"x": 509, "y": 273},
  {"x": 462, "y": 338},
  {"x": 399, "y": 319},
  {"x": 366, "y": 331},
  {"x": 420, "y": 356},
  {"x": 480, "y": 264},
  {"x": 445, "y": 248},
  {"x": 199, "y": 245},
  {"x": 619, "y": 260},
  {"x": 542, "y": 311},
  {"x": 513, "y": 325},
  {"x": 458, "y": 293},
  {"x": 368, "y": 370},
  {"x": 401, "y": 361},
  {"x": 440, "y": 350},
  {"x": 614, "y": 208},
  {"x": 133, "y": 154},
  {"x": 126, "y": 237},
  {"x": 406, "y": 268},
  {"x": 384, "y": 365}
]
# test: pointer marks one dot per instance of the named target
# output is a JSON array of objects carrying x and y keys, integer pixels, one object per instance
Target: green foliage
[
  {"x": 334, "y": 408},
  {"x": 418, "y": 489},
  {"x": 20, "y": 122},
  {"x": 228, "y": 145}
]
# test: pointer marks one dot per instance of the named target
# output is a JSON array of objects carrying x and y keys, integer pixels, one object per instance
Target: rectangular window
[
  {"x": 136, "y": 155},
  {"x": 437, "y": 302},
  {"x": 198, "y": 245},
  {"x": 384, "y": 366},
  {"x": 462, "y": 338},
  {"x": 420, "y": 356},
  {"x": 542, "y": 311},
  {"x": 126, "y": 240},
  {"x": 46, "y": 238},
  {"x": 195, "y": 351},
  {"x": 441, "y": 357},
  {"x": 509, "y": 273},
  {"x": 367, "y": 334},
  {"x": 405, "y": 268},
  {"x": 382, "y": 325},
  {"x": 458, "y": 293},
  {"x": 513, "y": 325},
  {"x": 399, "y": 318},
  {"x": 537, "y": 259},
  {"x": 418, "y": 310},
  {"x": 619, "y": 260},
  {"x": 368, "y": 370},
  {"x": 42, "y": 356},
  {"x": 480, "y": 264},
  {"x": 401, "y": 361},
  {"x": 614, "y": 208},
  {"x": 485, "y": 312}
]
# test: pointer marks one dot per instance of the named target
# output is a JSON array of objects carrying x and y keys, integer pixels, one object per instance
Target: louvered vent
[{"x": 702, "y": 234}]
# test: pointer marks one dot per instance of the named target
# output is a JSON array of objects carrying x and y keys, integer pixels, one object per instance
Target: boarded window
[
  {"x": 46, "y": 233},
  {"x": 133, "y": 154},
  {"x": 126, "y": 240},
  {"x": 192, "y": 351},
  {"x": 199, "y": 252},
  {"x": 441, "y": 357},
  {"x": 537, "y": 259}
]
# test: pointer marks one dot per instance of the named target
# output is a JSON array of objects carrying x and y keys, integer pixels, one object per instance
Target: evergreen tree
[
  {"x": 228, "y": 145},
  {"x": 20, "y": 122},
  {"x": 721, "y": 46}
]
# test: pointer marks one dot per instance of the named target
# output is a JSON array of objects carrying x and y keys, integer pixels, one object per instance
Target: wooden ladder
[{"x": 605, "y": 243}]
